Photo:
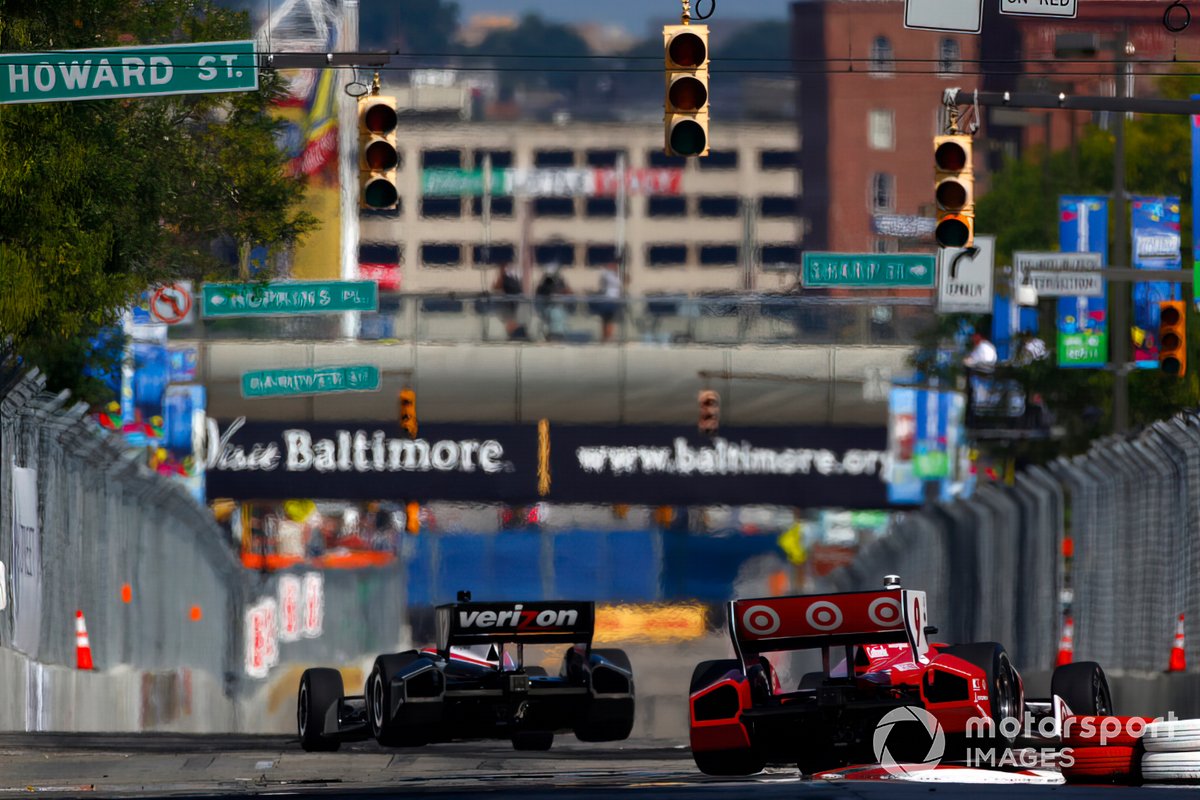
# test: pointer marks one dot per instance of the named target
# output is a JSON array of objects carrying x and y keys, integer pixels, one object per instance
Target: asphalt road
[{"x": 170, "y": 765}]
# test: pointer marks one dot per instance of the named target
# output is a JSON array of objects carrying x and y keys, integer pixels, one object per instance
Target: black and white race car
[{"x": 468, "y": 687}]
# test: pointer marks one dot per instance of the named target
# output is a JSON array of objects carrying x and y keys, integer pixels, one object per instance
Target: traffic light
[
  {"x": 1172, "y": 337},
  {"x": 685, "y": 117},
  {"x": 954, "y": 191},
  {"x": 710, "y": 411},
  {"x": 377, "y": 154},
  {"x": 408, "y": 412}
]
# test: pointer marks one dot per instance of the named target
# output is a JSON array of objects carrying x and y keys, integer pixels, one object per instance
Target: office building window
[
  {"x": 441, "y": 158},
  {"x": 883, "y": 192},
  {"x": 603, "y": 158},
  {"x": 718, "y": 255},
  {"x": 881, "y": 129},
  {"x": 600, "y": 207},
  {"x": 443, "y": 207},
  {"x": 554, "y": 158},
  {"x": 883, "y": 60},
  {"x": 501, "y": 206},
  {"x": 378, "y": 253},
  {"x": 660, "y": 206},
  {"x": 383, "y": 213},
  {"x": 719, "y": 206},
  {"x": 780, "y": 257},
  {"x": 778, "y": 206},
  {"x": 657, "y": 158},
  {"x": 493, "y": 254},
  {"x": 501, "y": 159},
  {"x": 441, "y": 254},
  {"x": 778, "y": 159},
  {"x": 554, "y": 207},
  {"x": 561, "y": 253},
  {"x": 949, "y": 56},
  {"x": 719, "y": 159},
  {"x": 666, "y": 255},
  {"x": 599, "y": 255}
]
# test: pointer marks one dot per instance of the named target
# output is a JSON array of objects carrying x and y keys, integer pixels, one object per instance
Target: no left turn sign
[{"x": 172, "y": 303}]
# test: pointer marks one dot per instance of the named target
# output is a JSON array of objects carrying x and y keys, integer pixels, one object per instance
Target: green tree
[
  {"x": 1020, "y": 207},
  {"x": 100, "y": 200}
]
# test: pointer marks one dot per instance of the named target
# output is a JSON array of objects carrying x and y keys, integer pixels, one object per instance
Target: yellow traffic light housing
[
  {"x": 685, "y": 105},
  {"x": 408, "y": 412},
  {"x": 1172, "y": 337},
  {"x": 378, "y": 156},
  {"x": 710, "y": 412},
  {"x": 954, "y": 190}
]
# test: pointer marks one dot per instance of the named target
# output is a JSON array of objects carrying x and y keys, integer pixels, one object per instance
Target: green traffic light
[
  {"x": 952, "y": 232},
  {"x": 688, "y": 138},
  {"x": 380, "y": 193}
]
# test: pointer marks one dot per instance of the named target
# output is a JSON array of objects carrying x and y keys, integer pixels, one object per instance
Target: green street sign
[
  {"x": 451, "y": 182},
  {"x": 868, "y": 271},
  {"x": 119, "y": 72},
  {"x": 287, "y": 297},
  {"x": 1083, "y": 349},
  {"x": 314, "y": 380}
]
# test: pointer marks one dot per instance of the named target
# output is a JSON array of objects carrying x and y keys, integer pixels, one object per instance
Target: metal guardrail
[{"x": 666, "y": 319}]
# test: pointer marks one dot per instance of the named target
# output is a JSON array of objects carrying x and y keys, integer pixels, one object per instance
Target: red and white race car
[{"x": 742, "y": 719}]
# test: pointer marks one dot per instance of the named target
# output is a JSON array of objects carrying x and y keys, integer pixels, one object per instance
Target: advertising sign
[
  {"x": 817, "y": 466},
  {"x": 1083, "y": 321},
  {"x": 926, "y": 442},
  {"x": 1156, "y": 245}
]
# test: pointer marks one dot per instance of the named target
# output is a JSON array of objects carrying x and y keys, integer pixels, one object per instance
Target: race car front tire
[
  {"x": 379, "y": 702},
  {"x": 319, "y": 690},
  {"x": 1084, "y": 687},
  {"x": 728, "y": 762}
]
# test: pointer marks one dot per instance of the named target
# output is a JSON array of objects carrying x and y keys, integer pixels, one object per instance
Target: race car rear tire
[
  {"x": 1084, "y": 688},
  {"x": 1004, "y": 686},
  {"x": 379, "y": 702},
  {"x": 319, "y": 689},
  {"x": 728, "y": 762},
  {"x": 707, "y": 672},
  {"x": 611, "y": 728},
  {"x": 533, "y": 740}
]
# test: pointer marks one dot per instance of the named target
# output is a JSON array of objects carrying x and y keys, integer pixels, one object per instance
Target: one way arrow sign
[{"x": 965, "y": 277}]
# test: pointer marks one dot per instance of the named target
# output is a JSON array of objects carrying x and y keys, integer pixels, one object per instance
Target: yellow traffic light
[
  {"x": 408, "y": 412},
  {"x": 377, "y": 153},
  {"x": 1172, "y": 337},
  {"x": 954, "y": 191},
  {"x": 685, "y": 106},
  {"x": 710, "y": 411}
]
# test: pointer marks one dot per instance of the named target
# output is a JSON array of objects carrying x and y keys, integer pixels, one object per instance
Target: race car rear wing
[
  {"x": 545, "y": 622},
  {"x": 848, "y": 618}
]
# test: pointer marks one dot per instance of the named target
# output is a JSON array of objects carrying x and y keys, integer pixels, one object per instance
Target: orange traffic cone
[
  {"x": 1066, "y": 642},
  {"x": 83, "y": 648},
  {"x": 1178, "y": 658}
]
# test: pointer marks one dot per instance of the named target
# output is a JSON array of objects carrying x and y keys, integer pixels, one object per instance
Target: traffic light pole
[{"x": 1119, "y": 276}]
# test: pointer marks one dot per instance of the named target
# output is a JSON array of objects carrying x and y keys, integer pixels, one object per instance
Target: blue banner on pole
[
  {"x": 1083, "y": 321},
  {"x": 1156, "y": 245}
]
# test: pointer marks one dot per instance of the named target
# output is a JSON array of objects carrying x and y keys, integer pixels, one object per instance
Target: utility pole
[{"x": 1118, "y": 292}]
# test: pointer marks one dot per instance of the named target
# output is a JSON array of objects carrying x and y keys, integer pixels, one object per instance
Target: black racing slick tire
[
  {"x": 533, "y": 740},
  {"x": 708, "y": 672},
  {"x": 1084, "y": 688},
  {"x": 616, "y": 723},
  {"x": 319, "y": 690},
  {"x": 728, "y": 762},
  {"x": 1004, "y": 685},
  {"x": 379, "y": 703}
]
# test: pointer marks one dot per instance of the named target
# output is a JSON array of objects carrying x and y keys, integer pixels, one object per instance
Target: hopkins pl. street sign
[{"x": 122, "y": 72}]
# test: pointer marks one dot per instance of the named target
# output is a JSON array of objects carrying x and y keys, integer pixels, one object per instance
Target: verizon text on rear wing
[
  {"x": 547, "y": 622},
  {"x": 808, "y": 621}
]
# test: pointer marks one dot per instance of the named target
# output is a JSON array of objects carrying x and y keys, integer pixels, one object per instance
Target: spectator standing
[
  {"x": 553, "y": 310},
  {"x": 508, "y": 282},
  {"x": 610, "y": 291},
  {"x": 982, "y": 357}
]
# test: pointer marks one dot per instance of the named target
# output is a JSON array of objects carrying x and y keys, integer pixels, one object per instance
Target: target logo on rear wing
[
  {"x": 538, "y": 622},
  {"x": 793, "y": 623}
]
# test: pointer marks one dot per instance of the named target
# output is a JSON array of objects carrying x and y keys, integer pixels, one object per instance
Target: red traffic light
[
  {"x": 380, "y": 119},
  {"x": 1172, "y": 337},
  {"x": 950, "y": 156},
  {"x": 687, "y": 50}
]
